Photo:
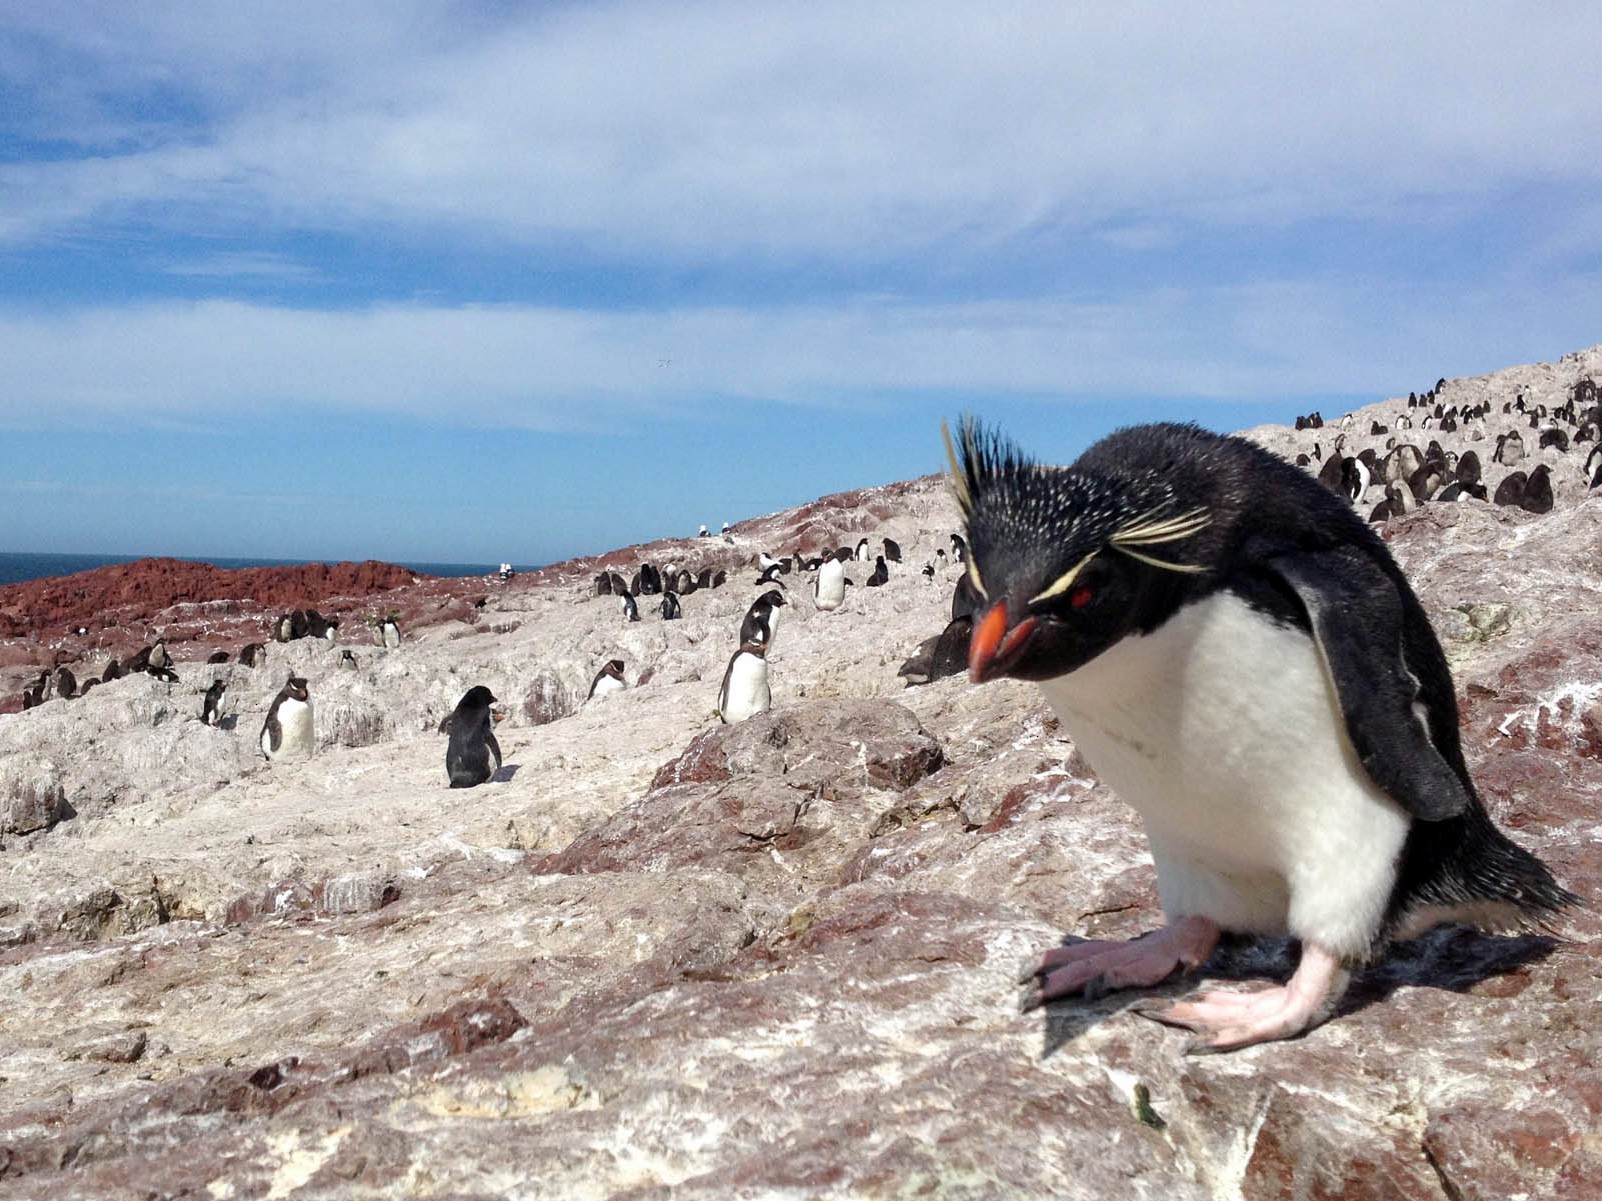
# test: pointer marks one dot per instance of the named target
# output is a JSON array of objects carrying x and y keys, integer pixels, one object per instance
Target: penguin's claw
[
  {"x": 1226, "y": 1021},
  {"x": 1095, "y": 968}
]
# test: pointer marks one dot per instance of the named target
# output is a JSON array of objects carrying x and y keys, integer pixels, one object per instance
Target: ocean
[{"x": 15, "y": 568}]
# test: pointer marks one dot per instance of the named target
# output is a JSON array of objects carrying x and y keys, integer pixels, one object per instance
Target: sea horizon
[{"x": 19, "y": 567}]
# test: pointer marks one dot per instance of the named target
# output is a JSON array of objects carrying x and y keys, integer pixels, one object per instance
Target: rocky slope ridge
[{"x": 770, "y": 960}]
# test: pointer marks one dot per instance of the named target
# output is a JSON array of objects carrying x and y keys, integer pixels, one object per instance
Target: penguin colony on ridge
[{"x": 1217, "y": 634}]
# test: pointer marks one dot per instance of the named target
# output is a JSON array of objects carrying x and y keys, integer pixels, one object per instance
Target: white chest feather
[
  {"x": 746, "y": 693},
  {"x": 607, "y": 684},
  {"x": 1224, "y": 732},
  {"x": 295, "y": 732}
]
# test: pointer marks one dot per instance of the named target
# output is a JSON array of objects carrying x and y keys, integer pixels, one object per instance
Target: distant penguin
[
  {"x": 389, "y": 632},
  {"x": 959, "y": 549},
  {"x": 828, "y": 589},
  {"x": 726, "y": 528},
  {"x": 861, "y": 552},
  {"x": 159, "y": 658},
  {"x": 113, "y": 671},
  {"x": 603, "y": 584},
  {"x": 703, "y": 532},
  {"x": 770, "y": 574},
  {"x": 881, "y": 573},
  {"x": 253, "y": 654},
  {"x": 928, "y": 572},
  {"x": 347, "y": 658},
  {"x": 1511, "y": 490},
  {"x": 608, "y": 679},
  {"x": 631, "y": 608},
  {"x": 288, "y": 728},
  {"x": 745, "y": 692},
  {"x": 473, "y": 755},
  {"x": 761, "y": 621},
  {"x": 64, "y": 683},
  {"x": 217, "y": 657},
  {"x": 892, "y": 550},
  {"x": 211, "y": 707},
  {"x": 670, "y": 606}
]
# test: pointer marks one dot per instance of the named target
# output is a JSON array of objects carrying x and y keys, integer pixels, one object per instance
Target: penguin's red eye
[{"x": 1080, "y": 597}]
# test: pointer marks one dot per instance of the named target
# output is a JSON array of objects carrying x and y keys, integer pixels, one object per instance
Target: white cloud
[{"x": 831, "y": 130}]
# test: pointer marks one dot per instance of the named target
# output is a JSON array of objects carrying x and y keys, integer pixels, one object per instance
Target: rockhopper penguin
[
  {"x": 472, "y": 756},
  {"x": 1238, "y": 656}
]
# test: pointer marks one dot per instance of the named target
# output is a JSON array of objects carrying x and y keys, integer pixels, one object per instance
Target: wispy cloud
[{"x": 825, "y": 131}]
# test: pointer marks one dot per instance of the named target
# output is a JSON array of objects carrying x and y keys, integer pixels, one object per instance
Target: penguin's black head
[
  {"x": 1064, "y": 560},
  {"x": 296, "y": 687},
  {"x": 771, "y": 598},
  {"x": 476, "y": 697}
]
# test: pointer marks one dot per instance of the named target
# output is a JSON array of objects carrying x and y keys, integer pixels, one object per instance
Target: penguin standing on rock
[
  {"x": 288, "y": 728},
  {"x": 473, "y": 755},
  {"x": 608, "y": 679},
  {"x": 828, "y": 587},
  {"x": 631, "y": 608},
  {"x": 389, "y": 632},
  {"x": 1240, "y": 658},
  {"x": 761, "y": 621},
  {"x": 211, "y": 707},
  {"x": 670, "y": 606},
  {"x": 745, "y": 692}
]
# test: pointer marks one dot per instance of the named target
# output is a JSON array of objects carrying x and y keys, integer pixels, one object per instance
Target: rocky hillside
[{"x": 660, "y": 955}]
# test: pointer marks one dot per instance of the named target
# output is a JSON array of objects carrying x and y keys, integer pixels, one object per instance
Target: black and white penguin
[
  {"x": 217, "y": 656},
  {"x": 881, "y": 573},
  {"x": 347, "y": 658},
  {"x": 1509, "y": 448},
  {"x": 159, "y": 659},
  {"x": 1240, "y": 658},
  {"x": 631, "y": 608},
  {"x": 770, "y": 575},
  {"x": 670, "y": 606},
  {"x": 473, "y": 756},
  {"x": 860, "y": 552},
  {"x": 892, "y": 550},
  {"x": 828, "y": 586},
  {"x": 389, "y": 631},
  {"x": 211, "y": 707},
  {"x": 761, "y": 621},
  {"x": 608, "y": 679},
  {"x": 65, "y": 684},
  {"x": 288, "y": 728},
  {"x": 959, "y": 549},
  {"x": 253, "y": 654},
  {"x": 745, "y": 692}
]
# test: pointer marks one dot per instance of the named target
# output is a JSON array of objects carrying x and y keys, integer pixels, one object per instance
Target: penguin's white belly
[
  {"x": 747, "y": 692},
  {"x": 829, "y": 588},
  {"x": 608, "y": 684},
  {"x": 295, "y": 730},
  {"x": 1223, "y": 730}
]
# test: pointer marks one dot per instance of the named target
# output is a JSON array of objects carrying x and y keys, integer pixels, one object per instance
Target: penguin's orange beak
[{"x": 994, "y": 647}]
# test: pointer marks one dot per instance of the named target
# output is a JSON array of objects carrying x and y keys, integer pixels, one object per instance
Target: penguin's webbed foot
[
  {"x": 1096, "y": 968},
  {"x": 1226, "y": 1021}
]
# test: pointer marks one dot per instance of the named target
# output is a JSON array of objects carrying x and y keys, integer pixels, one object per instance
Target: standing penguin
[
  {"x": 744, "y": 692},
  {"x": 828, "y": 587},
  {"x": 253, "y": 654},
  {"x": 211, "y": 707},
  {"x": 670, "y": 606},
  {"x": 389, "y": 631},
  {"x": 761, "y": 621},
  {"x": 631, "y": 608},
  {"x": 288, "y": 728},
  {"x": 608, "y": 679},
  {"x": 1240, "y": 658},
  {"x": 473, "y": 755}
]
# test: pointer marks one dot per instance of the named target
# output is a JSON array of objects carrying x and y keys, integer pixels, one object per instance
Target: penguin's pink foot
[
  {"x": 1095, "y": 968},
  {"x": 1225, "y": 1021}
]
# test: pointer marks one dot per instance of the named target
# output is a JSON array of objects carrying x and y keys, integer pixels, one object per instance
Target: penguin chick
[
  {"x": 473, "y": 756},
  {"x": 1238, "y": 657}
]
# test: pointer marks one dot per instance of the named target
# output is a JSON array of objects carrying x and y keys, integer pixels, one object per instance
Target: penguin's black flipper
[{"x": 1354, "y": 608}]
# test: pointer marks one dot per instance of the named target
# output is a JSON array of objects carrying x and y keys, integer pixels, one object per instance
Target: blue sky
[{"x": 469, "y": 283}]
